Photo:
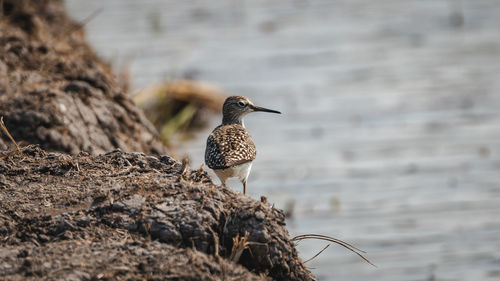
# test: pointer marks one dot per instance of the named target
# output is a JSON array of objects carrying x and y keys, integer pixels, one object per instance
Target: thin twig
[
  {"x": 4, "y": 129},
  {"x": 184, "y": 169},
  {"x": 239, "y": 245},
  {"x": 327, "y": 238},
  {"x": 336, "y": 241},
  {"x": 81, "y": 24},
  {"x": 319, "y": 253}
]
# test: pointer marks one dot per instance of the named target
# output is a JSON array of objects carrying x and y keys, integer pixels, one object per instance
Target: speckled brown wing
[{"x": 228, "y": 146}]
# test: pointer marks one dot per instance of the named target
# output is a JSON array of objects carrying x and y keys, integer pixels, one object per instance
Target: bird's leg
[{"x": 244, "y": 187}]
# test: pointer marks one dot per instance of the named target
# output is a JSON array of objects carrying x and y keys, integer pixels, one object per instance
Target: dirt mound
[
  {"x": 119, "y": 215},
  {"x": 56, "y": 93},
  {"x": 123, "y": 215},
  {"x": 116, "y": 260}
]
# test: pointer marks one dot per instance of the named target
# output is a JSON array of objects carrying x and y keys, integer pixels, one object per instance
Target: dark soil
[
  {"x": 70, "y": 214},
  {"x": 56, "y": 93},
  {"x": 130, "y": 216}
]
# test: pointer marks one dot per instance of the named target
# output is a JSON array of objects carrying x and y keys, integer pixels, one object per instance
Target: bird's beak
[{"x": 258, "y": 108}]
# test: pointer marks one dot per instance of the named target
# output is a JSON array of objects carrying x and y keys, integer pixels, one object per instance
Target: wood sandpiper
[{"x": 230, "y": 149}]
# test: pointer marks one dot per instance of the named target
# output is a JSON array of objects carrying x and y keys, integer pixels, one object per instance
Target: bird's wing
[{"x": 228, "y": 146}]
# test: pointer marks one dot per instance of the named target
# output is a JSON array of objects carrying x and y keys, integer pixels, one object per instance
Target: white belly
[{"x": 241, "y": 171}]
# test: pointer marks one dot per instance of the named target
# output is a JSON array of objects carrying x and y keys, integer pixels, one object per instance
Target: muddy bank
[
  {"x": 71, "y": 209},
  {"x": 55, "y": 92},
  {"x": 128, "y": 215}
]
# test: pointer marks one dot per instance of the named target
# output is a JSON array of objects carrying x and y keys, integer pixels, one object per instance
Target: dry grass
[
  {"x": 18, "y": 149},
  {"x": 346, "y": 245},
  {"x": 80, "y": 25},
  {"x": 6, "y": 132},
  {"x": 179, "y": 105},
  {"x": 239, "y": 245}
]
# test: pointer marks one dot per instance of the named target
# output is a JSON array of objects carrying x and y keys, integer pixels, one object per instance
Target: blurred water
[{"x": 390, "y": 137}]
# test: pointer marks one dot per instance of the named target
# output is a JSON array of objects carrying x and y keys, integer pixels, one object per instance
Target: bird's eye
[{"x": 241, "y": 104}]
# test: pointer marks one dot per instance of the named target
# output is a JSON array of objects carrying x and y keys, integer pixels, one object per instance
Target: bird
[{"x": 230, "y": 149}]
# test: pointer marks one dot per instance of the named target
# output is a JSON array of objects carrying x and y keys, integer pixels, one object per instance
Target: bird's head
[{"x": 236, "y": 107}]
